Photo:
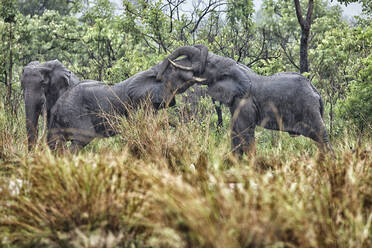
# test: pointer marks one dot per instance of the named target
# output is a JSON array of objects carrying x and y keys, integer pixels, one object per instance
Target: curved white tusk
[
  {"x": 186, "y": 68},
  {"x": 199, "y": 80}
]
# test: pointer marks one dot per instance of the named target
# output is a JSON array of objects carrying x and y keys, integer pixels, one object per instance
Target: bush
[{"x": 358, "y": 105}]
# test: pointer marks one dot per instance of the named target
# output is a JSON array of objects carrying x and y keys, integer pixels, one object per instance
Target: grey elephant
[
  {"x": 284, "y": 101},
  {"x": 84, "y": 111},
  {"x": 42, "y": 85}
]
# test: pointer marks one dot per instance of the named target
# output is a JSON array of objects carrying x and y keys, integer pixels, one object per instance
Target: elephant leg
[
  {"x": 243, "y": 141},
  {"x": 77, "y": 129},
  {"x": 243, "y": 127}
]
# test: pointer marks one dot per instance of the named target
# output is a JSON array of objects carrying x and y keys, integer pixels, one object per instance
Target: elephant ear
[
  {"x": 145, "y": 86},
  {"x": 227, "y": 87},
  {"x": 224, "y": 91},
  {"x": 66, "y": 76},
  {"x": 56, "y": 76}
]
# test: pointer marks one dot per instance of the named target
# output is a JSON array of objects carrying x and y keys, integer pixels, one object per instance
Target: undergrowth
[{"x": 162, "y": 182}]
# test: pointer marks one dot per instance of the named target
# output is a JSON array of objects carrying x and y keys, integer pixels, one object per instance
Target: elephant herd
[{"x": 78, "y": 111}]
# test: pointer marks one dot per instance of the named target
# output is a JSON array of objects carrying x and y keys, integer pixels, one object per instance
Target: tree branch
[
  {"x": 299, "y": 13},
  {"x": 309, "y": 13},
  {"x": 205, "y": 12}
]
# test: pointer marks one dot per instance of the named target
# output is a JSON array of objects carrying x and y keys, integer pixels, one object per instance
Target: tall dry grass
[{"x": 158, "y": 184}]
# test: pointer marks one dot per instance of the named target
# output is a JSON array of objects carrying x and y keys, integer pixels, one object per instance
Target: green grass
[{"x": 161, "y": 185}]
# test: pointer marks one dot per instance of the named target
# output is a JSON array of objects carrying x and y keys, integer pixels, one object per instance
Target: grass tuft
[{"x": 158, "y": 184}]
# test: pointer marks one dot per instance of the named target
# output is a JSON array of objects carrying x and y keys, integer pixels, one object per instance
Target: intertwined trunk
[{"x": 305, "y": 31}]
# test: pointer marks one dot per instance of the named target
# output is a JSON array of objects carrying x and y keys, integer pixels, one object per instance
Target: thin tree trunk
[
  {"x": 305, "y": 31},
  {"x": 304, "y": 65}
]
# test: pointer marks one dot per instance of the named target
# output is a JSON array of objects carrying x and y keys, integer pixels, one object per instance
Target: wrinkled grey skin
[
  {"x": 284, "y": 101},
  {"x": 84, "y": 111},
  {"x": 42, "y": 85}
]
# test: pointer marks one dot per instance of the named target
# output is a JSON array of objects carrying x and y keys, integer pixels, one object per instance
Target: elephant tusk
[
  {"x": 186, "y": 68},
  {"x": 199, "y": 80}
]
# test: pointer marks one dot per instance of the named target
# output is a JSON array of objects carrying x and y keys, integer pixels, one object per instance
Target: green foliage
[
  {"x": 37, "y": 7},
  {"x": 358, "y": 104},
  {"x": 239, "y": 13},
  {"x": 8, "y": 10},
  {"x": 8, "y": 14},
  {"x": 147, "y": 21}
]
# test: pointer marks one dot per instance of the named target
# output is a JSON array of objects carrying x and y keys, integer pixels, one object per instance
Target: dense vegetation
[{"x": 164, "y": 182}]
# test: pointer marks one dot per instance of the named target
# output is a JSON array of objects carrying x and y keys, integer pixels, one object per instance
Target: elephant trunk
[
  {"x": 203, "y": 57},
  {"x": 33, "y": 107}
]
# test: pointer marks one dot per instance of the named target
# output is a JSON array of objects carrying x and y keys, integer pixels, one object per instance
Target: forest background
[{"x": 158, "y": 184}]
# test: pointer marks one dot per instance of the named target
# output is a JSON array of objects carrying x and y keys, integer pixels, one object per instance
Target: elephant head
[
  {"x": 168, "y": 78},
  {"x": 42, "y": 85},
  {"x": 233, "y": 83},
  {"x": 225, "y": 78},
  {"x": 179, "y": 75}
]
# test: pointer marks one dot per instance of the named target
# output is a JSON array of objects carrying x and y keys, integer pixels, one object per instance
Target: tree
[
  {"x": 37, "y": 7},
  {"x": 305, "y": 24},
  {"x": 357, "y": 106},
  {"x": 334, "y": 61},
  {"x": 279, "y": 20},
  {"x": 8, "y": 15}
]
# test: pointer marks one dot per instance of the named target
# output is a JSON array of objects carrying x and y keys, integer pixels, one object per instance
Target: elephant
[
  {"x": 42, "y": 85},
  {"x": 286, "y": 101},
  {"x": 84, "y": 111}
]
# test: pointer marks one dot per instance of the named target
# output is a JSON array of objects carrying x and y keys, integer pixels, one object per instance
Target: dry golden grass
[{"x": 157, "y": 185}]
